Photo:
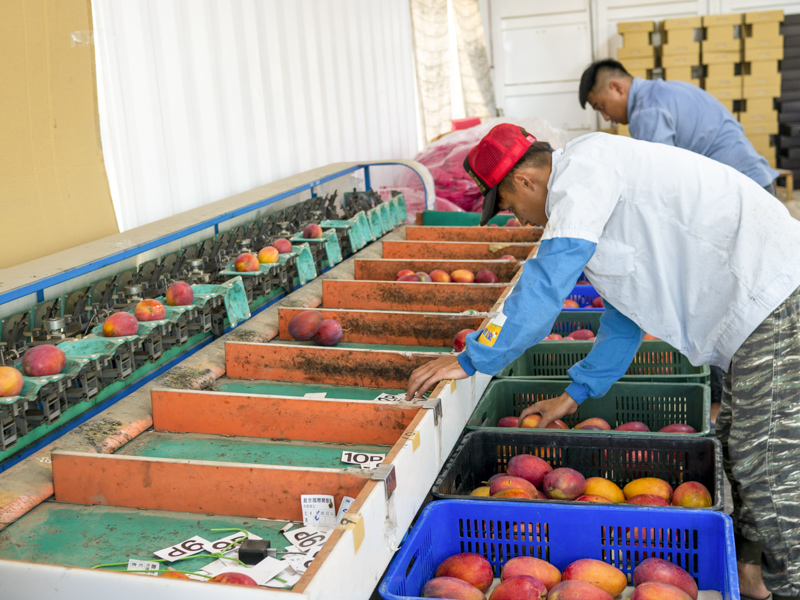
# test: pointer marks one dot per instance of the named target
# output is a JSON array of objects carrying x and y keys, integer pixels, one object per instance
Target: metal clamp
[
  {"x": 387, "y": 475},
  {"x": 434, "y": 404}
]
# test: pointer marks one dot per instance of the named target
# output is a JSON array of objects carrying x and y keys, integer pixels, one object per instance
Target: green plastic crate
[
  {"x": 655, "y": 361},
  {"x": 655, "y": 404}
]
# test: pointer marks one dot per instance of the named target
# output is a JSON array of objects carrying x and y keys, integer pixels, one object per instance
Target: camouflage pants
[{"x": 759, "y": 427}]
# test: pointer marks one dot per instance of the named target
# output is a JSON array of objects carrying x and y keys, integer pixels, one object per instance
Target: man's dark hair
[
  {"x": 589, "y": 77},
  {"x": 538, "y": 155}
]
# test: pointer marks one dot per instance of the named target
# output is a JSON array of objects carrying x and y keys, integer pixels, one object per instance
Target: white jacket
[{"x": 688, "y": 248}]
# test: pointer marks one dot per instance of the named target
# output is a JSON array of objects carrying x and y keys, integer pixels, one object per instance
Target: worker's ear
[
  {"x": 521, "y": 180},
  {"x": 615, "y": 85}
]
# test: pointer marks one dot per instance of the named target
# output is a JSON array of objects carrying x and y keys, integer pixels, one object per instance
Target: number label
[
  {"x": 363, "y": 459},
  {"x": 191, "y": 546}
]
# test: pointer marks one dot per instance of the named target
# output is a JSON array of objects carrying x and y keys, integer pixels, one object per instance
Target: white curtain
[
  {"x": 200, "y": 100},
  {"x": 434, "y": 66}
]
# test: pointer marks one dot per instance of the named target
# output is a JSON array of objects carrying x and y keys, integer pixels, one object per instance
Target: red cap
[{"x": 493, "y": 158}]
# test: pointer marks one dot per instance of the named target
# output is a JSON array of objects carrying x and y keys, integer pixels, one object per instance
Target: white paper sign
[
  {"x": 286, "y": 578},
  {"x": 318, "y": 510},
  {"x": 390, "y": 398},
  {"x": 306, "y": 538},
  {"x": 193, "y": 545},
  {"x": 347, "y": 502},
  {"x": 143, "y": 565},
  {"x": 222, "y": 544},
  {"x": 315, "y": 395},
  {"x": 261, "y": 573},
  {"x": 364, "y": 459}
]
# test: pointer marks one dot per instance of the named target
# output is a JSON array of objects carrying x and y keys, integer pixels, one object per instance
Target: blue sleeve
[
  {"x": 532, "y": 308},
  {"x": 653, "y": 125},
  {"x": 616, "y": 344}
]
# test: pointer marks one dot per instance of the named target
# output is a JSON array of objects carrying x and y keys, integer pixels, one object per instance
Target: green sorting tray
[
  {"x": 444, "y": 218},
  {"x": 655, "y": 361},
  {"x": 656, "y": 404}
]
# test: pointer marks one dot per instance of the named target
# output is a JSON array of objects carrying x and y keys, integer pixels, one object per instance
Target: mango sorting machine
[
  {"x": 232, "y": 435},
  {"x": 99, "y": 369}
]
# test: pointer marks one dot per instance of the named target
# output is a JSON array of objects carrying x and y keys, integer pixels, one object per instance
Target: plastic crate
[
  {"x": 699, "y": 541},
  {"x": 620, "y": 458},
  {"x": 572, "y": 319},
  {"x": 656, "y": 404},
  {"x": 655, "y": 361},
  {"x": 583, "y": 294}
]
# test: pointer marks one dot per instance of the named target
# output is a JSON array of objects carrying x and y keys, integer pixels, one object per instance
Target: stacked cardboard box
[
  {"x": 637, "y": 54},
  {"x": 680, "y": 49},
  {"x": 788, "y": 140},
  {"x": 722, "y": 57},
  {"x": 763, "y": 49}
]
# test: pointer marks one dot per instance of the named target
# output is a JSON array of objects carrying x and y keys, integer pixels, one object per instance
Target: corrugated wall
[{"x": 201, "y": 99}]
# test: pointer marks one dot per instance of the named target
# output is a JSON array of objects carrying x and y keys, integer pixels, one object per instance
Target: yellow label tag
[
  {"x": 489, "y": 335},
  {"x": 452, "y": 386},
  {"x": 355, "y": 524},
  {"x": 414, "y": 438}
]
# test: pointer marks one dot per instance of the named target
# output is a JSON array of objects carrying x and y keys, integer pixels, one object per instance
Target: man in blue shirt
[
  {"x": 674, "y": 113},
  {"x": 643, "y": 222}
]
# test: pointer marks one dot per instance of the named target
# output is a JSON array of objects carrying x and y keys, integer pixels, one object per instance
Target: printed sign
[{"x": 318, "y": 510}]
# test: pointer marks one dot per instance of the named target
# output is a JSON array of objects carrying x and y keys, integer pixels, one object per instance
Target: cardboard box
[
  {"x": 637, "y": 39},
  {"x": 726, "y": 93},
  {"x": 720, "y": 70},
  {"x": 714, "y": 58},
  {"x": 636, "y": 52},
  {"x": 680, "y": 60},
  {"x": 724, "y": 82},
  {"x": 763, "y": 16},
  {"x": 757, "y": 54},
  {"x": 643, "y": 73},
  {"x": 678, "y": 37},
  {"x": 687, "y": 74},
  {"x": 769, "y": 30},
  {"x": 670, "y": 49},
  {"x": 726, "y": 19},
  {"x": 645, "y": 62},
  {"x": 751, "y": 129},
  {"x": 723, "y": 33},
  {"x": 772, "y": 90},
  {"x": 682, "y": 23},
  {"x": 759, "y": 105},
  {"x": 758, "y": 117},
  {"x": 762, "y": 143},
  {"x": 53, "y": 181},
  {"x": 754, "y": 43},
  {"x": 715, "y": 46},
  {"x": 727, "y": 103},
  {"x": 765, "y": 70},
  {"x": 772, "y": 161},
  {"x": 623, "y": 130},
  {"x": 636, "y": 26}
]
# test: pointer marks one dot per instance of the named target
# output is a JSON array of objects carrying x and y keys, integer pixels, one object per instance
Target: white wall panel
[
  {"x": 540, "y": 49},
  {"x": 201, "y": 99}
]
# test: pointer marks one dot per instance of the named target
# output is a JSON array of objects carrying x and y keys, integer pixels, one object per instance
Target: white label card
[
  {"x": 306, "y": 538},
  {"x": 318, "y": 510},
  {"x": 193, "y": 545},
  {"x": 143, "y": 565},
  {"x": 390, "y": 398},
  {"x": 363, "y": 459},
  {"x": 286, "y": 578},
  {"x": 347, "y": 502},
  {"x": 222, "y": 544}
]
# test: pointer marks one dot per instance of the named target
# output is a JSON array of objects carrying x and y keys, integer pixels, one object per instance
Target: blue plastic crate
[
  {"x": 699, "y": 541},
  {"x": 583, "y": 295}
]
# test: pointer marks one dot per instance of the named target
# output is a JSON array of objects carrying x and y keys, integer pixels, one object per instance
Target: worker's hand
[
  {"x": 428, "y": 375},
  {"x": 552, "y": 409}
]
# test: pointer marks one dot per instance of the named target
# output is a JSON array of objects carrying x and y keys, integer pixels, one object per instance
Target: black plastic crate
[{"x": 619, "y": 458}]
